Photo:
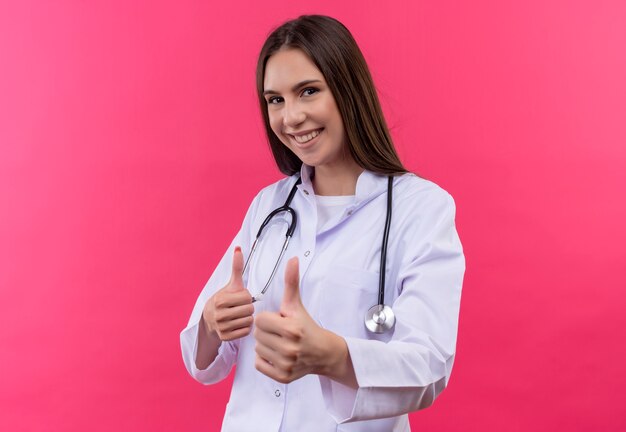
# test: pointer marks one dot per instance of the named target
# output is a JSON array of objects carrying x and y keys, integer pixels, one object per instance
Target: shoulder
[
  {"x": 415, "y": 193},
  {"x": 278, "y": 187},
  {"x": 425, "y": 216},
  {"x": 275, "y": 191},
  {"x": 266, "y": 200}
]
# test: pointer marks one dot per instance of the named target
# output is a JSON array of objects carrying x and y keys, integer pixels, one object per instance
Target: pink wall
[{"x": 131, "y": 146}]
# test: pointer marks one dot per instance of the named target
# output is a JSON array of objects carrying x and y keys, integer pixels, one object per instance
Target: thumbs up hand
[
  {"x": 292, "y": 304},
  {"x": 228, "y": 313},
  {"x": 289, "y": 343}
]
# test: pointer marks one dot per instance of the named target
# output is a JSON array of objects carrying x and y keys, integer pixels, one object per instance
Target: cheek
[
  {"x": 337, "y": 126},
  {"x": 334, "y": 117},
  {"x": 275, "y": 124}
]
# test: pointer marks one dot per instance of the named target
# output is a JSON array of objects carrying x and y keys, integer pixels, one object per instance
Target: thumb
[
  {"x": 236, "y": 277},
  {"x": 291, "y": 297}
]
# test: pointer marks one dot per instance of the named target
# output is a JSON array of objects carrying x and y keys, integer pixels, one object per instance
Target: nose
[{"x": 293, "y": 115}]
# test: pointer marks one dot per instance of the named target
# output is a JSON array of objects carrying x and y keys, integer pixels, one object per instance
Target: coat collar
[{"x": 369, "y": 185}]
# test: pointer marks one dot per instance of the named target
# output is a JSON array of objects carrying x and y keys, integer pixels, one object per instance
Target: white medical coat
[{"x": 397, "y": 372}]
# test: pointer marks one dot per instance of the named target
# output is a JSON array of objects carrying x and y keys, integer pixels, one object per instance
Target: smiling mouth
[{"x": 303, "y": 139}]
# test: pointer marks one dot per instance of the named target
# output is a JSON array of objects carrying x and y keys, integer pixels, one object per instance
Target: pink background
[{"x": 132, "y": 145}]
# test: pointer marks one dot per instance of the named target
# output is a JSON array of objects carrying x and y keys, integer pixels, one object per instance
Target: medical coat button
[
  {"x": 277, "y": 393},
  {"x": 350, "y": 213},
  {"x": 307, "y": 253}
]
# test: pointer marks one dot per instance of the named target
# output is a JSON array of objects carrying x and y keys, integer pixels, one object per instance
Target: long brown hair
[{"x": 334, "y": 51}]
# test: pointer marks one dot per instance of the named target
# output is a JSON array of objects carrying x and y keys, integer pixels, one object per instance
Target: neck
[{"x": 336, "y": 182}]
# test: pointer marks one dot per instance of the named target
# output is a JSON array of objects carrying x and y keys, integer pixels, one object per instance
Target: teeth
[{"x": 306, "y": 138}]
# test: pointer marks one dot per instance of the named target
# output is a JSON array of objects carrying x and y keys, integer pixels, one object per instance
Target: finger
[
  {"x": 269, "y": 370},
  {"x": 236, "y": 324},
  {"x": 234, "y": 312},
  {"x": 270, "y": 322},
  {"x": 291, "y": 297},
  {"x": 236, "y": 277},
  {"x": 274, "y": 358},
  {"x": 227, "y": 298},
  {"x": 266, "y": 353},
  {"x": 264, "y": 366},
  {"x": 270, "y": 340},
  {"x": 290, "y": 330},
  {"x": 235, "y": 334}
]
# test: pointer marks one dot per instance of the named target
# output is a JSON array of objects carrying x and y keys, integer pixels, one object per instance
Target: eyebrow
[{"x": 295, "y": 87}]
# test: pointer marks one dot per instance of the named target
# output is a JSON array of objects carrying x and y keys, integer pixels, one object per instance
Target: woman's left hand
[{"x": 290, "y": 344}]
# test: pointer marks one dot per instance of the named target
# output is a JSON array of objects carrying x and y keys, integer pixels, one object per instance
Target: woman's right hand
[{"x": 228, "y": 313}]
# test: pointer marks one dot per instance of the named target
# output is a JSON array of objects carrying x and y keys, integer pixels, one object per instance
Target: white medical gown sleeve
[
  {"x": 227, "y": 353},
  {"x": 410, "y": 371}
]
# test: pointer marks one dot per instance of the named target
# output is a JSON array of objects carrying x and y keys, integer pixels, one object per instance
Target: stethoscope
[{"x": 380, "y": 317}]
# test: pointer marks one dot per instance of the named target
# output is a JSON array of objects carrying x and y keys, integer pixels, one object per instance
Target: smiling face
[{"x": 302, "y": 110}]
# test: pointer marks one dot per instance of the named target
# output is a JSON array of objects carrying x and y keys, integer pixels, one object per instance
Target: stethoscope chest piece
[{"x": 380, "y": 318}]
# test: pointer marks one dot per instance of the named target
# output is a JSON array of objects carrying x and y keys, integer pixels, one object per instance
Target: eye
[
  {"x": 274, "y": 100},
  {"x": 309, "y": 91}
]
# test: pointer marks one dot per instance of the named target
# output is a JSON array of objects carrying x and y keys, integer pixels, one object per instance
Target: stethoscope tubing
[
  {"x": 285, "y": 208},
  {"x": 383, "y": 252},
  {"x": 380, "y": 317}
]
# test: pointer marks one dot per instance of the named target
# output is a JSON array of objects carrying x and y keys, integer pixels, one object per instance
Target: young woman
[{"x": 359, "y": 327}]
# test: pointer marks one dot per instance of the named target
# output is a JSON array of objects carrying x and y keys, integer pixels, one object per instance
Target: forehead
[{"x": 288, "y": 67}]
